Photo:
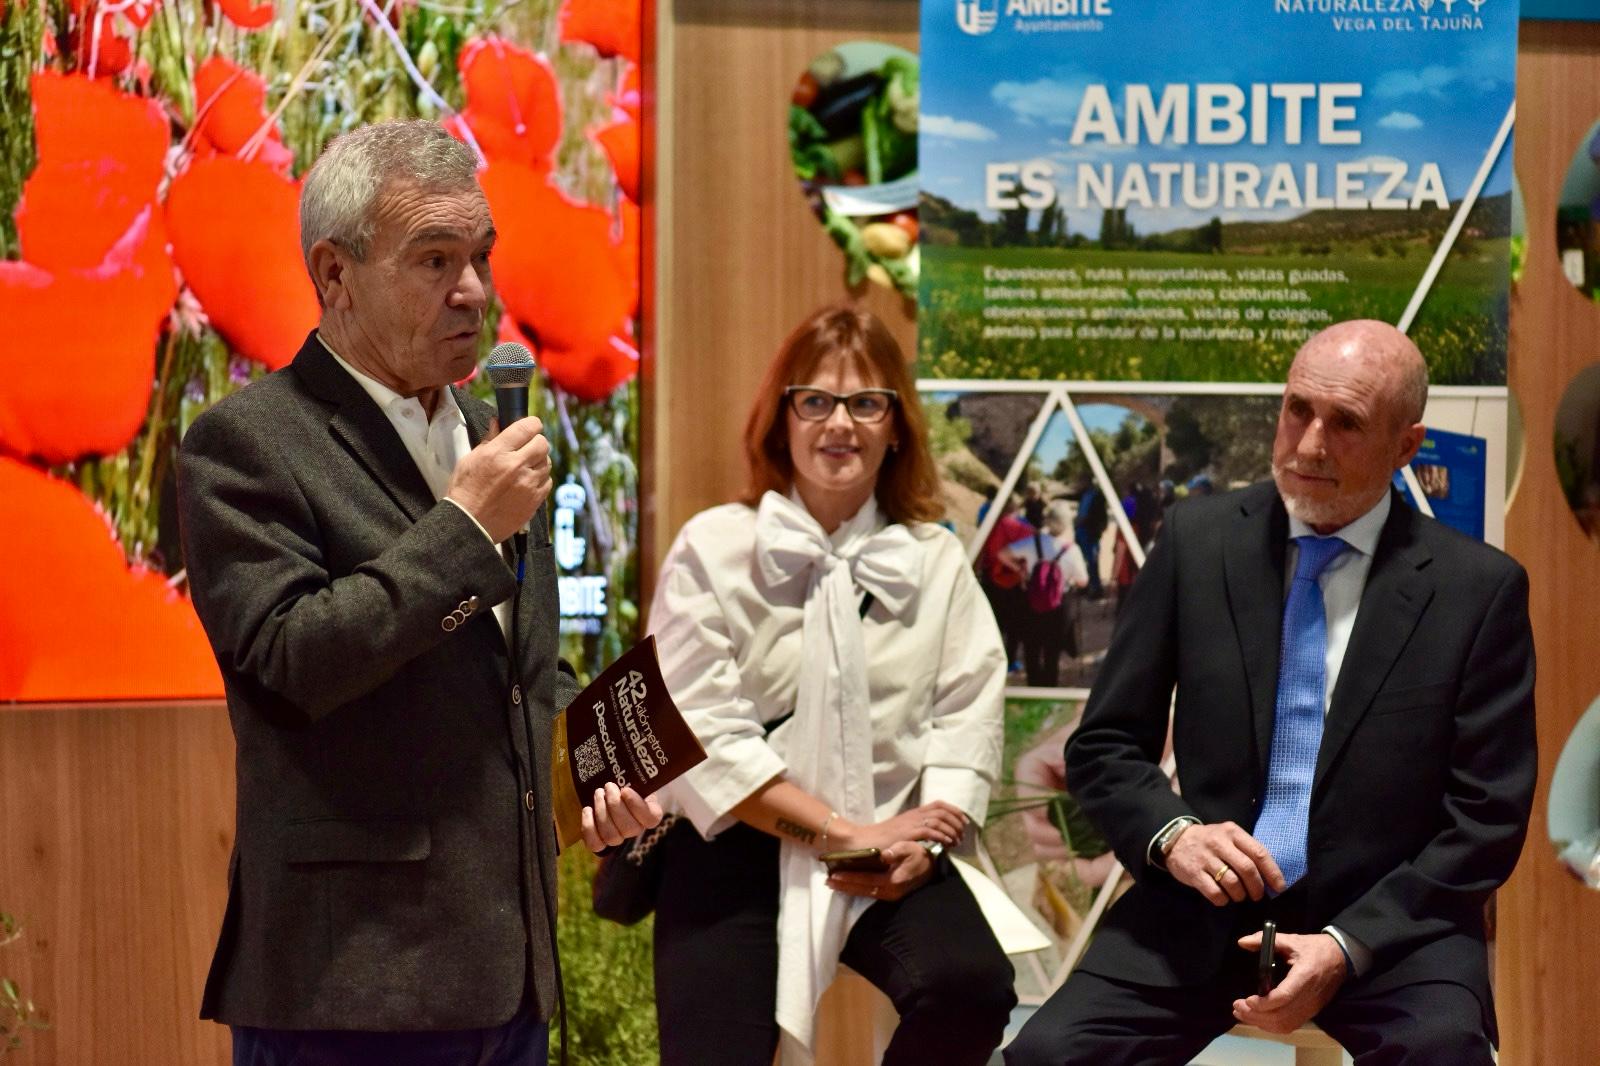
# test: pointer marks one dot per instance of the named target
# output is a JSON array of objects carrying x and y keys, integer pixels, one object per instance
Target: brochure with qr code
[{"x": 624, "y": 728}]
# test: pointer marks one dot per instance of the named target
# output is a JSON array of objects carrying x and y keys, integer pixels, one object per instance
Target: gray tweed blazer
[{"x": 394, "y": 862}]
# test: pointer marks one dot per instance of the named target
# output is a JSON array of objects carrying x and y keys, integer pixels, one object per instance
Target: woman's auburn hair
[{"x": 908, "y": 482}]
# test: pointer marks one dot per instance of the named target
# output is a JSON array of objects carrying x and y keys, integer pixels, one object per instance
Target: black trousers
[
  {"x": 1094, "y": 1019},
  {"x": 522, "y": 1041},
  {"x": 716, "y": 959},
  {"x": 1044, "y": 640},
  {"x": 1010, "y": 606}
]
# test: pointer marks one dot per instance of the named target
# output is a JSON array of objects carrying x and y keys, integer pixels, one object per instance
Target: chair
[
  {"x": 855, "y": 1022},
  {"x": 1312, "y": 1047}
]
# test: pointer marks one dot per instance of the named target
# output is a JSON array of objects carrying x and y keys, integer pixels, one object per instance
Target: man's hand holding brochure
[{"x": 623, "y": 729}]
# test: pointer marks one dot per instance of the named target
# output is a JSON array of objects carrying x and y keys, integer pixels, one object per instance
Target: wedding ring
[{"x": 1222, "y": 872}]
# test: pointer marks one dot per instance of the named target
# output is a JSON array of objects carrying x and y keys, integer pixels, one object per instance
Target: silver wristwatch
[{"x": 1168, "y": 837}]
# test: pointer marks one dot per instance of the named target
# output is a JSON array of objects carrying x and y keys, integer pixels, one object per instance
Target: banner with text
[{"x": 1158, "y": 192}]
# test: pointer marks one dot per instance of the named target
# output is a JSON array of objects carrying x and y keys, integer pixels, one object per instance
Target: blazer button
[
  {"x": 472, "y": 604},
  {"x": 448, "y": 623},
  {"x": 527, "y": 799},
  {"x": 464, "y": 608},
  {"x": 516, "y": 694}
]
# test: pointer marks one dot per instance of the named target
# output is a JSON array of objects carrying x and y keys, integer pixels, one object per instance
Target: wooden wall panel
[
  {"x": 1547, "y": 965},
  {"x": 742, "y": 260},
  {"x": 115, "y": 829}
]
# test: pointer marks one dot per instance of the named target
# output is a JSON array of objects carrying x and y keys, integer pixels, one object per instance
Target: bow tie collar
[{"x": 886, "y": 562}]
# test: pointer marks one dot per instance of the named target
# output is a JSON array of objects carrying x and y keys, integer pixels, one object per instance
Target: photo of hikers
[{"x": 1055, "y": 551}]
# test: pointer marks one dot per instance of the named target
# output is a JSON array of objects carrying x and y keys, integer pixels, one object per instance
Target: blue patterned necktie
[{"x": 1297, "y": 721}]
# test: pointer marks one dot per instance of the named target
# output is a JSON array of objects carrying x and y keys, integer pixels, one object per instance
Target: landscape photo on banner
[{"x": 151, "y": 155}]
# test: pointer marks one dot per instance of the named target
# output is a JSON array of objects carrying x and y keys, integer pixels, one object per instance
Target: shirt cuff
[
  {"x": 1357, "y": 956},
  {"x": 733, "y": 771},
  {"x": 469, "y": 514},
  {"x": 1152, "y": 855},
  {"x": 962, "y": 788}
]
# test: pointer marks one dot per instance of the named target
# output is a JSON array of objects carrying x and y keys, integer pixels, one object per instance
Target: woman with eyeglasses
[{"x": 832, "y": 649}]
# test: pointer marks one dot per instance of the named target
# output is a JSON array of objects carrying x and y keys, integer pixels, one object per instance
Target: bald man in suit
[{"x": 1354, "y": 736}]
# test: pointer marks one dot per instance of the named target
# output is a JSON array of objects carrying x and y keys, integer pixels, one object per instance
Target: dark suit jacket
[
  {"x": 395, "y": 855},
  {"x": 1425, "y": 774}
]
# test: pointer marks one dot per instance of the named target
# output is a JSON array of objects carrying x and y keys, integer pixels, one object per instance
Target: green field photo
[{"x": 975, "y": 271}]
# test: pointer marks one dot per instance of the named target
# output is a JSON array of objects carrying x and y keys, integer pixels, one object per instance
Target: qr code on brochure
[{"x": 589, "y": 762}]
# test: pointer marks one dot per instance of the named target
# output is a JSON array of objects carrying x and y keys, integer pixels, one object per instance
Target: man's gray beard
[{"x": 1311, "y": 512}]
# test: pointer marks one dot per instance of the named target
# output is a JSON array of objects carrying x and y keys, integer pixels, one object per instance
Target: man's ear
[
  {"x": 328, "y": 265},
  {"x": 1410, "y": 440}
]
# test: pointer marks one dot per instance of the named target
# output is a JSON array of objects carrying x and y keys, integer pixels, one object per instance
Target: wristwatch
[{"x": 1161, "y": 847}]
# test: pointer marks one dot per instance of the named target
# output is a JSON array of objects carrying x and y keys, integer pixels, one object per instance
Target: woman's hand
[
  {"x": 910, "y": 867},
  {"x": 939, "y": 821}
]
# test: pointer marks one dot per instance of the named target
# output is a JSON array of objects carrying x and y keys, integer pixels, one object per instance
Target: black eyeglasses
[{"x": 863, "y": 405}]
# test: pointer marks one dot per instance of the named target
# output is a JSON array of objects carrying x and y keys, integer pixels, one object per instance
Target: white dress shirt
[
  {"x": 436, "y": 445},
  {"x": 730, "y": 654}
]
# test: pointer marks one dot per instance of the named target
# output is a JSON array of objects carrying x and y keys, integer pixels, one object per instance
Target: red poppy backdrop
[{"x": 150, "y": 159}]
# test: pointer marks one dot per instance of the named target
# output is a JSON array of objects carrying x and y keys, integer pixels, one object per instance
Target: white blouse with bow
[{"x": 756, "y": 614}]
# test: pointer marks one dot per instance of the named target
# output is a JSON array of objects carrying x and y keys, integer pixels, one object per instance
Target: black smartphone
[
  {"x": 861, "y": 860},
  {"x": 1267, "y": 963}
]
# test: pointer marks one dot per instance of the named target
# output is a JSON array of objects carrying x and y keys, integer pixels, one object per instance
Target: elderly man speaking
[
  {"x": 390, "y": 679},
  {"x": 1355, "y": 745}
]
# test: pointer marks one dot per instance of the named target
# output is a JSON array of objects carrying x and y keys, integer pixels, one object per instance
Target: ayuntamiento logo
[{"x": 977, "y": 17}]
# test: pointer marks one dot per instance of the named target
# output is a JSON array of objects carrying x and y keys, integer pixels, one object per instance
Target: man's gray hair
[{"x": 337, "y": 198}]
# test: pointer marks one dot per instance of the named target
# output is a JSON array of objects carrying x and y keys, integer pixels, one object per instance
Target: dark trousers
[
  {"x": 716, "y": 960},
  {"x": 1094, "y": 1019},
  {"x": 1048, "y": 635},
  {"x": 1010, "y": 606},
  {"x": 1089, "y": 544},
  {"x": 522, "y": 1041}
]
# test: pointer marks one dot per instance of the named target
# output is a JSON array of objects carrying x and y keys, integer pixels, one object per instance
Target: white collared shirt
[
  {"x": 730, "y": 653},
  {"x": 436, "y": 445}
]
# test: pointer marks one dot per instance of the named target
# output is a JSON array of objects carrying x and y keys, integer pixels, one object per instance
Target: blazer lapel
[
  {"x": 1396, "y": 594},
  {"x": 364, "y": 429},
  {"x": 475, "y": 413},
  {"x": 1255, "y": 600}
]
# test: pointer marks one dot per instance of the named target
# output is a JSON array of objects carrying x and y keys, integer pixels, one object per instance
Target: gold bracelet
[{"x": 825, "y": 823}]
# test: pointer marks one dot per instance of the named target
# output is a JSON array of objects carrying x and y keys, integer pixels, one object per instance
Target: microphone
[{"x": 510, "y": 368}]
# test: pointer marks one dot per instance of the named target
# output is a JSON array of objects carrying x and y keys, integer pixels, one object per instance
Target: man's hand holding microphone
[{"x": 505, "y": 479}]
